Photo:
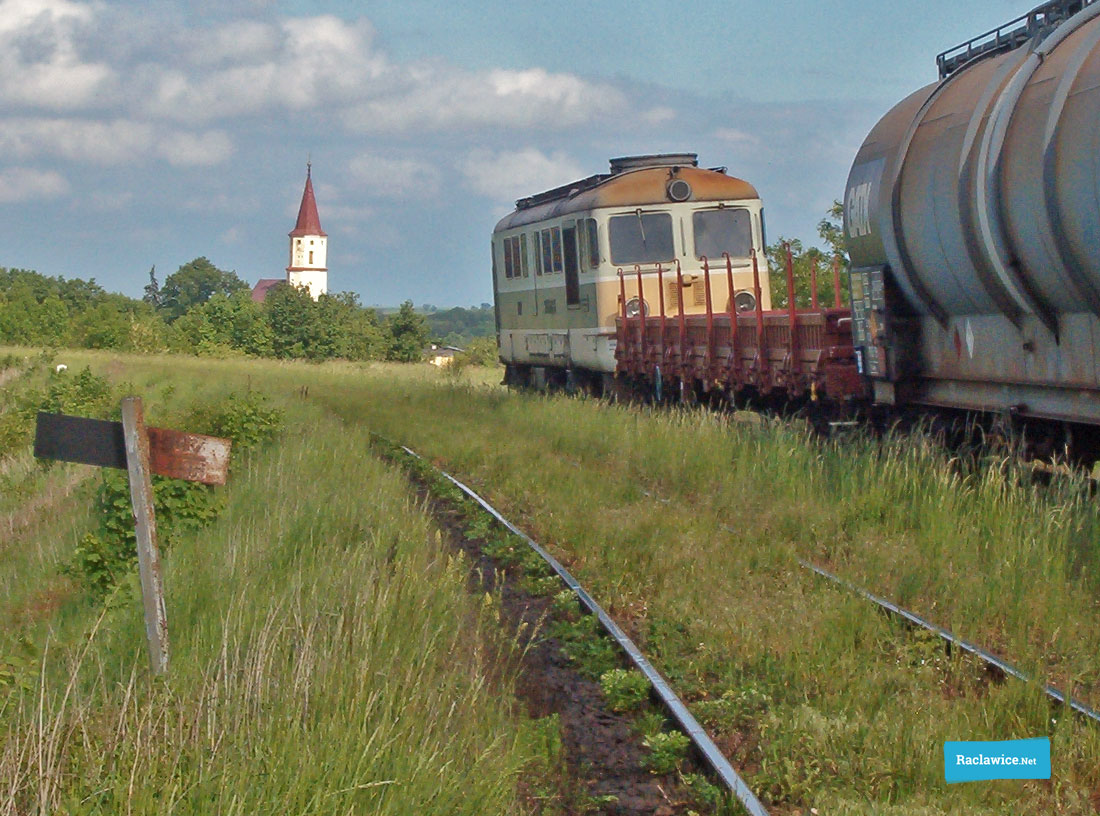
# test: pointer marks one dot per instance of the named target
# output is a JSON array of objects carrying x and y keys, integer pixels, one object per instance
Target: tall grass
[
  {"x": 326, "y": 658},
  {"x": 858, "y": 710},
  {"x": 823, "y": 701}
]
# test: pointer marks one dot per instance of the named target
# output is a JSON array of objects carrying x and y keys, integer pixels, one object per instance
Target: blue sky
[{"x": 134, "y": 134}]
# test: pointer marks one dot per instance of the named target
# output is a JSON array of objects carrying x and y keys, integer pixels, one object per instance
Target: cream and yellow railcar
[{"x": 556, "y": 260}]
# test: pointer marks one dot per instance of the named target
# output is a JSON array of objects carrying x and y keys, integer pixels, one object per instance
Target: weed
[
  {"x": 565, "y": 605},
  {"x": 584, "y": 643},
  {"x": 736, "y": 708},
  {"x": 704, "y": 793},
  {"x": 540, "y": 586},
  {"x": 667, "y": 749},
  {"x": 624, "y": 689}
]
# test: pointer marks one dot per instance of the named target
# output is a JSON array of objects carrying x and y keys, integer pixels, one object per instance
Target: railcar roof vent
[{"x": 625, "y": 163}]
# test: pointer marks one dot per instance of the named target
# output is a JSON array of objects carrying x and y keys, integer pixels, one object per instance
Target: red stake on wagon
[
  {"x": 792, "y": 313},
  {"x": 683, "y": 325},
  {"x": 661, "y": 301},
  {"x": 731, "y": 307},
  {"x": 710, "y": 323},
  {"x": 643, "y": 367},
  {"x": 836, "y": 281},
  {"x": 761, "y": 339},
  {"x": 813, "y": 283},
  {"x": 620, "y": 340}
]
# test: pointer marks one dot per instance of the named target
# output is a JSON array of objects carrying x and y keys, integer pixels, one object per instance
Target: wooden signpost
[{"x": 141, "y": 451}]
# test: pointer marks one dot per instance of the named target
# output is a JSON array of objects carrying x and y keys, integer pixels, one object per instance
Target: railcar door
[{"x": 572, "y": 279}]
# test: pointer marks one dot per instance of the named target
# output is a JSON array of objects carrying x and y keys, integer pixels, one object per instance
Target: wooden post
[{"x": 141, "y": 497}]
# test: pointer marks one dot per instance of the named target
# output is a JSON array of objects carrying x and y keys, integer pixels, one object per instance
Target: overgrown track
[
  {"x": 991, "y": 660},
  {"x": 706, "y": 748}
]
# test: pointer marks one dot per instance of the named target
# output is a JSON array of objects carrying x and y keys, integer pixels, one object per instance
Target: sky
[{"x": 135, "y": 134}]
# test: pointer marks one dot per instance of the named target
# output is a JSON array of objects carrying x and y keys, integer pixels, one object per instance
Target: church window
[{"x": 311, "y": 256}]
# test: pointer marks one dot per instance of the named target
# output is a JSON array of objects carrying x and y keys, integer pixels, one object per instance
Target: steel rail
[
  {"x": 984, "y": 655},
  {"x": 687, "y": 723}
]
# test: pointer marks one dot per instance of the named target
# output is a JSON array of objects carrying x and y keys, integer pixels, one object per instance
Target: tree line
[{"x": 200, "y": 309}]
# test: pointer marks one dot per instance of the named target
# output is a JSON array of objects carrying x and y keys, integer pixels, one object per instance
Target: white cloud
[
  {"x": 27, "y": 184},
  {"x": 82, "y": 140},
  {"x": 395, "y": 178},
  {"x": 40, "y": 65},
  {"x": 440, "y": 98},
  {"x": 304, "y": 63},
  {"x": 509, "y": 175},
  {"x": 110, "y": 142},
  {"x": 659, "y": 116},
  {"x": 196, "y": 149}
]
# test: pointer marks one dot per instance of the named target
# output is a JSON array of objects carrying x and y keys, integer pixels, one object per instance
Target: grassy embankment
[
  {"x": 825, "y": 703},
  {"x": 326, "y": 655}
]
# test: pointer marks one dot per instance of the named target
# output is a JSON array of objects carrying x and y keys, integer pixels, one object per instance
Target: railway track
[
  {"x": 997, "y": 664},
  {"x": 992, "y": 661},
  {"x": 678, "y": 711}
]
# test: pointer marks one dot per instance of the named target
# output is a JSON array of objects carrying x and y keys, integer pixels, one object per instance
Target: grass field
[
  {"x": 822, "y": 701},
  {"x": 326, "y": 654}
]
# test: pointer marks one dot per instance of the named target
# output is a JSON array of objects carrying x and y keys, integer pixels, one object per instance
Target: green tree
[
  {"x": 290, "y": 314},
  {"x": 409, "y": 334},
  {"x": 803, "y": 261},
  {"x": 104, "y": 326},
  {"x": 831, "y": 230},
  {"x": 152, "y": 289},
  {"x": 195, "y": 283},
  {"x": 482, "y": 351}
]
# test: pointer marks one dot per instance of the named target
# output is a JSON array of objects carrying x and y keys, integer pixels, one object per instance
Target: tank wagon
[
  {"x": 648, "y": 280},
  {"x": 556, "y": 261},
  {"x": 972, "y": 214}
]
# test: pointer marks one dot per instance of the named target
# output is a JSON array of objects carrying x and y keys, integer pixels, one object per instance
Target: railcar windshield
[
  {"x": 725, "y": 230},
  {"x": 641, "y": 238}
]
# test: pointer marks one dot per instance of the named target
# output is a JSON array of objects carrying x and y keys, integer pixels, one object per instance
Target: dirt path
[{"x": 603, "y": 753}]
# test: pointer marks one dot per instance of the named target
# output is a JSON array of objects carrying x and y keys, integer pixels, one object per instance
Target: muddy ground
[{"x": 604, "y": 755}]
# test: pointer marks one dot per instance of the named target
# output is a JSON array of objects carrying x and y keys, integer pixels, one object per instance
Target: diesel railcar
[
  {"x": 972, "y": 214},
  {"x": 557, "y": 261}
]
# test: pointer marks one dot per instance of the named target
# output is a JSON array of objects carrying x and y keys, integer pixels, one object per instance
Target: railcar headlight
[
  {"x": 632, "y": 307},
  {"x": 744, "y": 302},
  {"x": 678, "y": 190}
]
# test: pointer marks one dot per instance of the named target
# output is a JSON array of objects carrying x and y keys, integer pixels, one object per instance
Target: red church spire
[{"x": 309, "y": 223}]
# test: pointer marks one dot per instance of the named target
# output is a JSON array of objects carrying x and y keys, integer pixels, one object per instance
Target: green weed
[
  {"x": 624, "y": 689},
  {"x": 667, "y": 749}
]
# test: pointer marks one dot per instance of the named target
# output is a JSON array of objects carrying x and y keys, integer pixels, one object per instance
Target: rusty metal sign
[{"x": 178, "y": 455}]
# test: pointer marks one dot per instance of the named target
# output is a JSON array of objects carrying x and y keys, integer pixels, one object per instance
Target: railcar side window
[
  {"x": 547, "y": 257},
  {"x": 593, "y": 243},
  {"x": 507, "y": 247},
  {"x": 641, "y": 238},
  {"x": 523, "y": 254},
  {"x": 555, "y": 239},
  {"x": 726, "y": 230}
]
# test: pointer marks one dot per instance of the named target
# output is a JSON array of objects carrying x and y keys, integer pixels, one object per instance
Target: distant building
[
  {"x": 263, "y": 285},
  {"x": 442, "y": 355},
  {"x": 308, "y": 250}
]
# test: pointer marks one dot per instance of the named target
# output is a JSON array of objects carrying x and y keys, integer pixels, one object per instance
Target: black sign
[{"x": 78, "y": 439}]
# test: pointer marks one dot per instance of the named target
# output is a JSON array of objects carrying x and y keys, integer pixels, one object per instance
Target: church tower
[{"x": 308, "y": 246}]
